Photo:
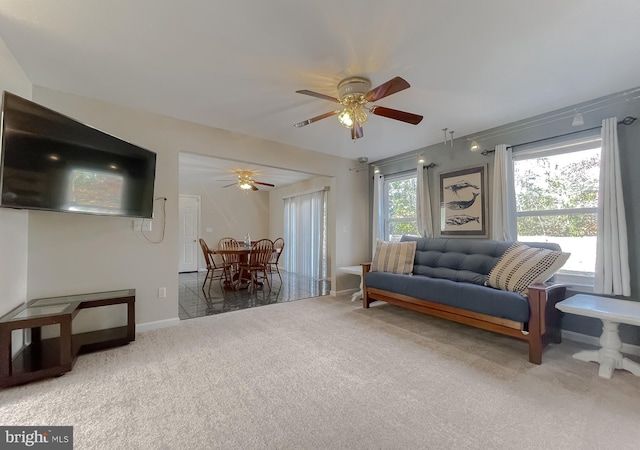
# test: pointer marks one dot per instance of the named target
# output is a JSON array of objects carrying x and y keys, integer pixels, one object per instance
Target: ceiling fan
[
  {"x": 354, "y": 93},
  {"x": 246, "y": 181}
]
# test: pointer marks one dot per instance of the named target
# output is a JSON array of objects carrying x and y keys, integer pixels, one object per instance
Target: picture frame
[{"x": 464, "y": 202}]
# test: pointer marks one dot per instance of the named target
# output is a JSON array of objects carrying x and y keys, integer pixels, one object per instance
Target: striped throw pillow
[
  {"x": 521, "y": 266},
  {"x": 394, "y": 257}
]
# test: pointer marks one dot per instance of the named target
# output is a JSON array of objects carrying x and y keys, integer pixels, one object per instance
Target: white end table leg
[
  {"x": 631, "y": 366},
  {"x": 609, "y": 355},
  {"x": 358, "y": 295}
]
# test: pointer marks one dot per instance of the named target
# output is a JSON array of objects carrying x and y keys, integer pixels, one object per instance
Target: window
[
  {"x": 400, "y": 215},
  {"x": 305, "y": 234},
  {"x": 556, "y": 189}
]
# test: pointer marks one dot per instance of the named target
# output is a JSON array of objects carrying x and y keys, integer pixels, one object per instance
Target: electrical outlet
[
  {"x": 146, "y": 225},
  {"x": 162, "y": 292}
]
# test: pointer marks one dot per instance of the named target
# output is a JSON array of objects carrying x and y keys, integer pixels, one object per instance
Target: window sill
[{"x": 576, "y": 282}]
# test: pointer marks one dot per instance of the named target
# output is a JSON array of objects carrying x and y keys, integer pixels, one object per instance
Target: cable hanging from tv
[{"x": 164, "y": 221}]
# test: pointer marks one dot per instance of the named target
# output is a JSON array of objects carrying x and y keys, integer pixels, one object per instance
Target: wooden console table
[
  {"x": 44, "y": 358},
  {"x": 612, "y": 312}
]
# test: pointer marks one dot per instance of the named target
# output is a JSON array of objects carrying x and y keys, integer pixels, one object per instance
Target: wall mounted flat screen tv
[{"x": 51, "y": 162}]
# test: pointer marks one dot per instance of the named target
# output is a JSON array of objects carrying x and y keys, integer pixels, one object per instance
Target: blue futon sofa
[{"x": 448, "y": 281}]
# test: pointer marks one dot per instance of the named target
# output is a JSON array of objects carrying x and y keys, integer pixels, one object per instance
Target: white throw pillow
[{"x": 521, "y": 266}]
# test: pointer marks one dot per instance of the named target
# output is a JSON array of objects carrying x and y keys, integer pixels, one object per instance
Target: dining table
[{"x": 243, "y": 258}]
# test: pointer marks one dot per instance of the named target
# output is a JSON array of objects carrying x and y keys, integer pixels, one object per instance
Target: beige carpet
[{"x": 325, "y": 373}]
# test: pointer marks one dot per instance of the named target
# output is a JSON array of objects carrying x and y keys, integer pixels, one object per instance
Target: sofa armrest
[{"x": 544, "y": 320}]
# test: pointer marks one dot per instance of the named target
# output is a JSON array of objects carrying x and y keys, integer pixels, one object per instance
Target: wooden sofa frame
[{"x": 543, "y": 326}]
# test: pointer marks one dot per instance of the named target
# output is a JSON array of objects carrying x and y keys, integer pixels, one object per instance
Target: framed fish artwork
[{"x": 464, "y": 202}]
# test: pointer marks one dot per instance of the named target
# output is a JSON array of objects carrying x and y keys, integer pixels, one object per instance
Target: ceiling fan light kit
[
  {"x": 246, "y": 181},
  {"x": 353, "y": 94}
]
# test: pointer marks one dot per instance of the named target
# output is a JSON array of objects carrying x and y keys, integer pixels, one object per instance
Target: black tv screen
[{"x": 51, "y": 162}]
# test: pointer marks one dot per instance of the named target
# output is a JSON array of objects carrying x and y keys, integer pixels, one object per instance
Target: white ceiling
[
  {"x": 221, "y": 172},
  {"x": 236, "y": 64}
]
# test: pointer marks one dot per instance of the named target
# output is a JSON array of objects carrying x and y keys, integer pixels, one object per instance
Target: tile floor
[{"x": 197, "y": 302}]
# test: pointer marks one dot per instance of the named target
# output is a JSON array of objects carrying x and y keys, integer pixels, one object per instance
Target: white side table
[
  {"x": 612, "y": 312},
  {"x": 355, "y": 270}
]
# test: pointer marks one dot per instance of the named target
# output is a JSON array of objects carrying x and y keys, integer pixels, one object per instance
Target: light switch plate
[{"x": 141, "y": 225}]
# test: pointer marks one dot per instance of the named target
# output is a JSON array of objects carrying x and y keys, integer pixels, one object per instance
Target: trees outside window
[
  {"x": 400, "y": 196},
  {"x": 557, "y": 200}
]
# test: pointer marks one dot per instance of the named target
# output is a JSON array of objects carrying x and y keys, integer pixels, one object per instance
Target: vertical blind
[{"x": 305, "y": 225}]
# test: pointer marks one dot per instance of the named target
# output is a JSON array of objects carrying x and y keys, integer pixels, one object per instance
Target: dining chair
[
  {"x": 212, "y": 267},
  {"x": 258, "y": 262},
  {"x": 233, "y": 260},
  {"x": 278, "y": 248}
]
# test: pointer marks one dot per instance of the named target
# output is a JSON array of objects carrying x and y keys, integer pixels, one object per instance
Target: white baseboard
[
  {"x": 342, "y": 292},
  {"x": 141, "y": 327},
  {"x": 595, "y": 341}
]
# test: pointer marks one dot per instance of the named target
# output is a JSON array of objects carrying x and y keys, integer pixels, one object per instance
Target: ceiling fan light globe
[
  {"x": 360, "y": 115},
  {"x": 345, "y": 118}
]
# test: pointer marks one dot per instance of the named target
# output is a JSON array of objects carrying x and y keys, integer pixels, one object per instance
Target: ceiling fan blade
[
  {"x": 392, "y": 86},
  {"x": 232, "y": 184},
  {"x": 402, "y": 116},
  {"x": 356, "y": 131},
  {"x": 315, "y": 119},
  {"x": 318, "y": 95},
  {"x": 253, "y": 187},
  {"x": 264, "y": 184}
]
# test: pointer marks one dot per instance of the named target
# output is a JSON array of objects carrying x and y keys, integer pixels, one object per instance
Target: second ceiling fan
[
  {"x": 354, "y": 94},
  {"x": 246, "y": 181}
]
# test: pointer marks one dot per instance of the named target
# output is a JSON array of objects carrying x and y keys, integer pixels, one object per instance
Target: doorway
[{"x": 189, "y": 222}]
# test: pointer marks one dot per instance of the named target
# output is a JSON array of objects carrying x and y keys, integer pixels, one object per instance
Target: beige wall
[
  {"x": 13, "y": 223},
  {"x": 71, "y": 253}
]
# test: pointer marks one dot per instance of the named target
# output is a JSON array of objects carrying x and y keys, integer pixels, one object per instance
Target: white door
[{"x": 188, "y": 228}]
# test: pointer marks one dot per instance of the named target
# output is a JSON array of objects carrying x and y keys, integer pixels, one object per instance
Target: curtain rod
[
  {"x": 428, "y": 166},
  {"x": 626, "y": 121},
  {"x": 564, "y": 114}
]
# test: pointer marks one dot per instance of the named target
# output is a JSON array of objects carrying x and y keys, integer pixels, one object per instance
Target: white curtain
[
  {"x": 377, "y": 226},
  {"x": 425, "y": 219},
  {"x": 503, "y": 217},
  {"x": 305, "y": 234},
  {"x": 612, "y": 253}
]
